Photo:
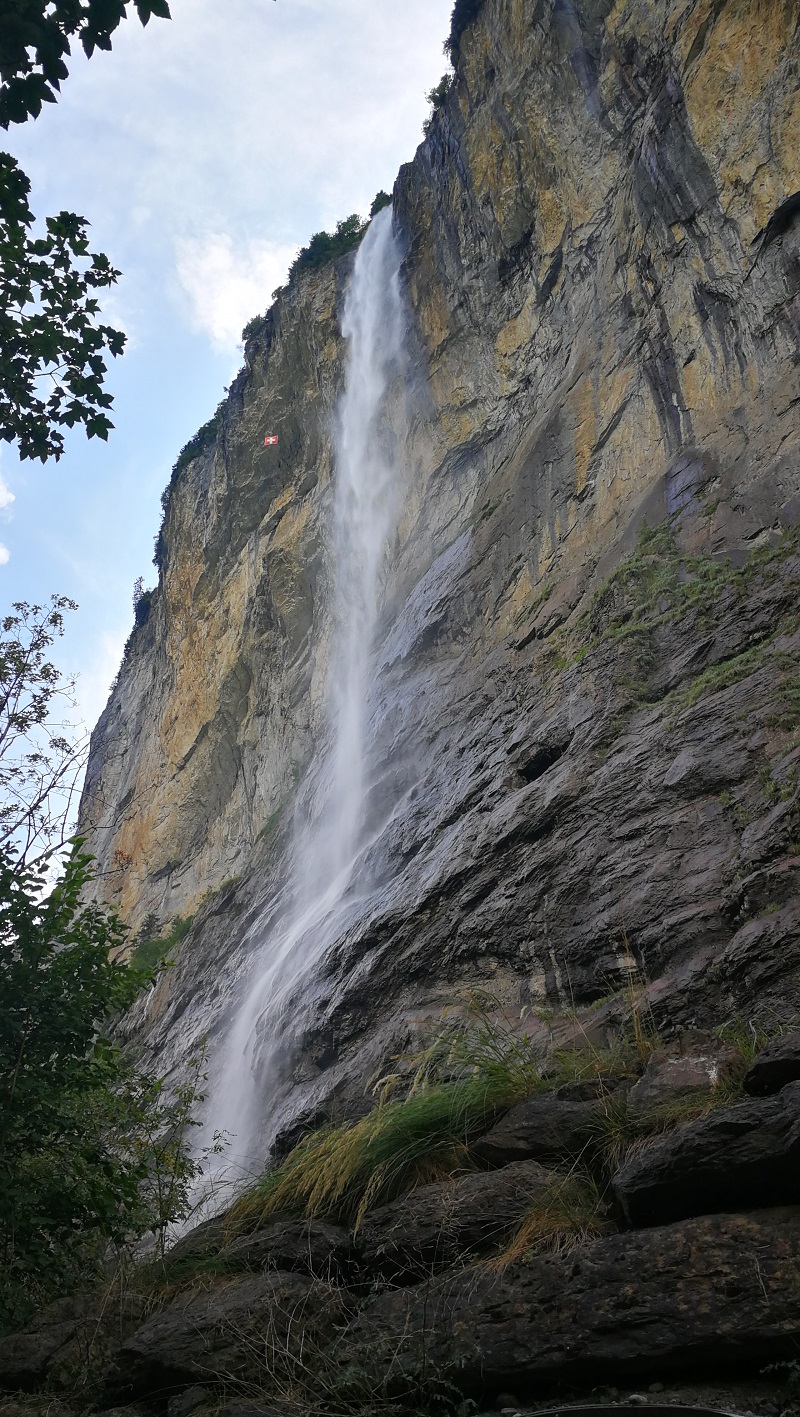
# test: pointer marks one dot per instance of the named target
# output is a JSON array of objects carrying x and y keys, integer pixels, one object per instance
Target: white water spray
[{"x": 327, "y": 849}]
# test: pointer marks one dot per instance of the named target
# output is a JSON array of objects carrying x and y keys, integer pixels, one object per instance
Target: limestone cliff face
[{"x": 587, "y": 735}]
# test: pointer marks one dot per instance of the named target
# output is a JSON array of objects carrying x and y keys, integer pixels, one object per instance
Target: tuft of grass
[
  {"x": 338, "y": 1173},
  {"x": 619, "y": 1131},
  {"x": 484, "y": 1044},
  {"x": 717, "y": 677},
  {"x": 568, "y": 1213}
]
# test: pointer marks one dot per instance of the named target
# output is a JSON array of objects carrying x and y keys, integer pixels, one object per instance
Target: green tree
[
  {"x": 464, "y": 13},
  {"x": 63, "y": 1181},
  {"x": 35, "y": 40},
  {"x": 92, "y": 1151},
  {"x": 52, "y": 346}
]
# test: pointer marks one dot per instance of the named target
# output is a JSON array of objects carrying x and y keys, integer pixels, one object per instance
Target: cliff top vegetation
[{"x": 465, "y": 12}]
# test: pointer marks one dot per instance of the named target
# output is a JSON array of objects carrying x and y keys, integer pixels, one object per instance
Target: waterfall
[{"x": 327, "y": 848}]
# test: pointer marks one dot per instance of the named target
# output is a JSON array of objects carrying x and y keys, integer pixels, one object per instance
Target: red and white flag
[{"x": 270, "y": 440}]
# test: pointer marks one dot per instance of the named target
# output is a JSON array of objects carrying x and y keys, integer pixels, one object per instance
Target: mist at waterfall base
[{"x": 330, "y": 847}]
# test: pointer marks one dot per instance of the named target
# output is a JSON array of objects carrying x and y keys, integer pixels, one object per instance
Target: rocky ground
[{"x": 512, "y": 1288}]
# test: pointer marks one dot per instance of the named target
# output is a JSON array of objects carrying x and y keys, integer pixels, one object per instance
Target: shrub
[
  {"x": 253, "y": 327},
  {"x": 380, "y": 200},
  {"x": 142, "y": 601},
  {"x": 327, "y": 246},
  {"x": 436, "y": 99},
  {"x": 465, "y": 12},
  {"x": 153, "y": 950},
  {"x": 89, "y": 1152}
]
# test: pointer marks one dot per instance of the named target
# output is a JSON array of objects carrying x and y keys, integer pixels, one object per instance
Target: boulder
[
  {"x": 298, "y": 1246},
  {"x": 205, "y": 1239},
  {"x": 717, "y": 1289},
  {"x": 694, "y": 1062},
  {"x": 737, "y": 1159},
  {"x": 594, "y": 1089},
  {"x": 541, "y": 1129},
  {"x": 434, "y": 1226},
  {"x": 775, "y": 1065},
  {"x": 65, "y": 1338},
  {"x": 222, "y": 1333}
]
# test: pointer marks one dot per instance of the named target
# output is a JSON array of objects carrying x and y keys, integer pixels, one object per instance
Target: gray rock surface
[
  {"x": 693, "y": 1063},
  {"x": 721, "y": 1289},
  {"x": 312, "y": 1247},
  {"x": 742, "y": 1157},
  {"x": 776, "y": 1064},
  {"x": 229, "y": 1332},
  {"x": 65, "y": 1338},
  {"x": 437, "y": 1225},
  {"x": 544, "y": 1129}
]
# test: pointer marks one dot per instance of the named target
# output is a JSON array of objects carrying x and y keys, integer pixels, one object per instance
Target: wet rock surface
[
  {"x": 305, "y": 1247},
  {"x": 743, "y": 1156},
  {"x": 776, "y": 1065},
  {"x": 450, "y": 1221},
  {"x": 59, "y": 1340},
  {"x": 669, "y": 1298},
  {"x": 224, "y": 1333},
  {"x": 541, "y": 1129},
  {"x": 694, "y": 1064}
]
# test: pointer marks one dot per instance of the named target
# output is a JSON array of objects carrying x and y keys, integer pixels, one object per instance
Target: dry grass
[
  {"x": 569, "y": 1212},
  {"x": 338, "y": 1173}
]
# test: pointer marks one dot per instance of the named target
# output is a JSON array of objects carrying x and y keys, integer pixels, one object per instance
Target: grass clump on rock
[{"x": 340, "y": 1172}]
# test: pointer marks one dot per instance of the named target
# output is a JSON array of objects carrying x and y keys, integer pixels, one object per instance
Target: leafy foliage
[
  {"x": 465, "y": 12},
  {"x": 52, "y": 347},
  {"x": 69, "y": 1103},
  {"x": 326, "y": 246},
  {"x": 92, "y": 1152},
  {"x": 35, "y": 41},
  {"x": 40, "y": 760},
  {"x": 48, "y": 329},
  {"x": 380, "y": 200},
  {"x": 436, "y": 99}
]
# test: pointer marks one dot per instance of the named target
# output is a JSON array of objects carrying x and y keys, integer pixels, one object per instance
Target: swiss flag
[{"x": 270, "y": 440}]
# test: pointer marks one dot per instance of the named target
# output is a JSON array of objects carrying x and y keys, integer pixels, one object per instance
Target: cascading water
[{"x": 328, "y": 847}]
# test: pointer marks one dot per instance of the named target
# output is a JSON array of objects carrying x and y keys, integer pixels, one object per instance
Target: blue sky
[{"x": 203, "y": 151}]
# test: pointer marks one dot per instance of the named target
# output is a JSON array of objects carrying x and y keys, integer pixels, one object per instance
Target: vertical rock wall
[{"x": 583, "y": 762}]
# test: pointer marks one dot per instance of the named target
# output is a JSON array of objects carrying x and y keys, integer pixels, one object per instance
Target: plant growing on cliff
[
  {"x": 326, "y": 246},
  {"x": 197, "y": 444},
  {"x": 465, "y": 12},
  {"x": 436, "y": 99},
  {"x": 340, "y": 1172}
]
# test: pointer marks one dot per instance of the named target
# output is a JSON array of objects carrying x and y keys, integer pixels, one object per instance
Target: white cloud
[
  {"x": 228, "y": 285},
  {"x": 4, "y": 554},
  {"x": 6, "y": 498}
]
